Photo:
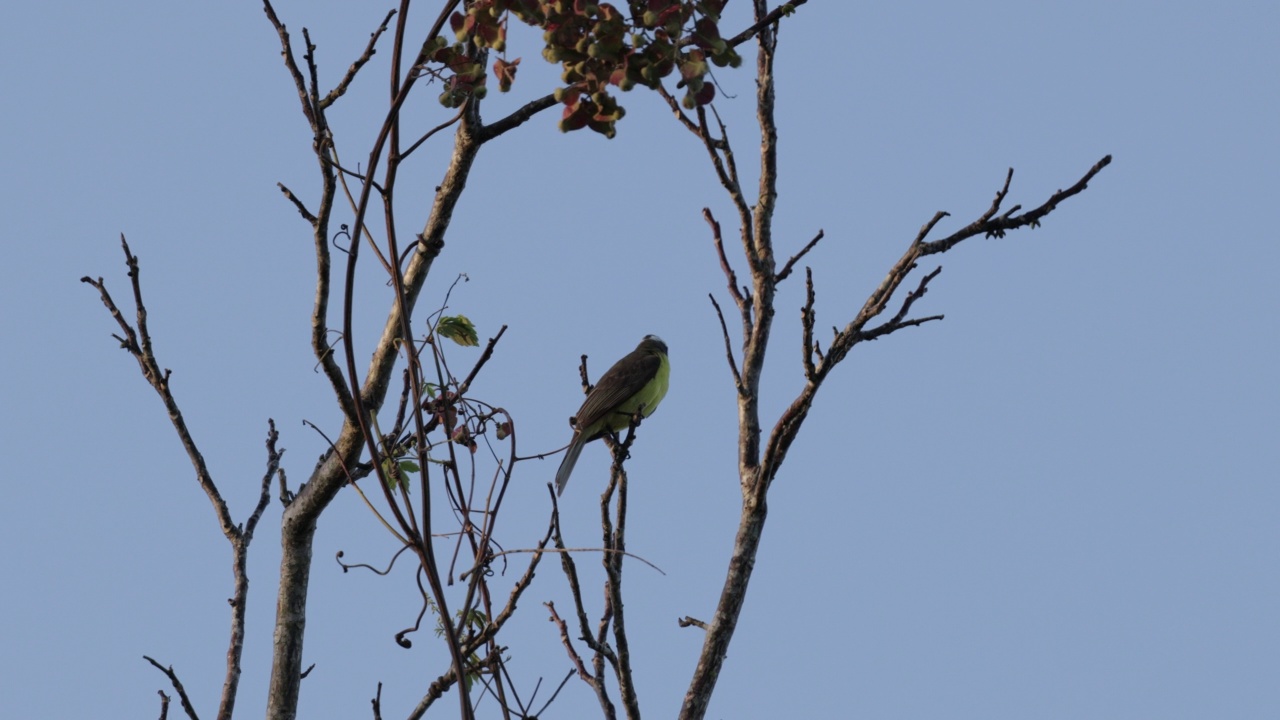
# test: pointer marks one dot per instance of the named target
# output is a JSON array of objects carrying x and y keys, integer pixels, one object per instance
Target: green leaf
[
  {"x": 393, "y": 471},
  {"x": 459, "y": 329}
]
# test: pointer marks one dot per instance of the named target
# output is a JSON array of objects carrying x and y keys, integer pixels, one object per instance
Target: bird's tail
[{"x": 566, "y": 465}]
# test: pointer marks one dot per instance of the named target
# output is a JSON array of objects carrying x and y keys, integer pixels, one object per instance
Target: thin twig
[
  {"x": 517, "y": 118},
  {"x": 808, "y": 316},
  {"x": 786, "y": 269},
  {"x": 574, "y": 657},
  {"x": 427, "y": 136},
  {"x": 286, "y": 51},
  {"x": 728, "y": 346},
  {"x": 678, "y": 111},
  {"x": 341, "y": 88},
  {"x": 187, "y": 707},
  {"x": 725, "y": 266},
  {"x": 164, "y": 705},
  {"x": 465, "y": 385},
  {"x": 302, "y": 209},
  {"x": 688, "y": 621},
  {"x": 770, "y": 18},
  {"x": 998, "y": 226}
]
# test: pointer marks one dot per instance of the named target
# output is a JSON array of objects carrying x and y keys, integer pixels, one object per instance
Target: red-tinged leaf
[
  {"x": 577, "y": 115},
  {"x": 707, "y": 29},
  {"x": 706, "y": 94},
  {"x": 693, "y": 64},
  {"x": 712, "y": 8},
  {"x": 445, "y": 55},
  {"x": 505, "y": 72},
  {"x": 607, "y": 129},
  {"x": 570, "y": 96},
  {"x": 490, "y": 32},
  {"x": 463, "y": 26}
]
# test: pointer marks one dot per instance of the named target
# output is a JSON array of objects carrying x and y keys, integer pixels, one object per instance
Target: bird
[{"x": 636, "y": 382}]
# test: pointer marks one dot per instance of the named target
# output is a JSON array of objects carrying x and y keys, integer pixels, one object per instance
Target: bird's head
[{"x": 653, "y": 343}]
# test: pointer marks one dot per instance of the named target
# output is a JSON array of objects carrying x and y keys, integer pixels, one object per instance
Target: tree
[{"x": 426, "y": 451}]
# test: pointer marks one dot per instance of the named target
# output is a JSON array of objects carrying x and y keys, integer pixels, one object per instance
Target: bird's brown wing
[{"x": 619, "y": 383}]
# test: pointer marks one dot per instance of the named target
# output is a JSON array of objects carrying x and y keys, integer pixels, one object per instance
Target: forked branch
[
  {"x": 136, "y": 340},
  {"x": 758, "y": 466}
]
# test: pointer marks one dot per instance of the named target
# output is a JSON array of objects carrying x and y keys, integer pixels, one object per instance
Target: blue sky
[{"x": 1060, "y": 502}]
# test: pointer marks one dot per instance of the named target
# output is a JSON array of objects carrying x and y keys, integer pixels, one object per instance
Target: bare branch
[
  {"x": 998, "y": 226},
  {"x": 302, "y": 209},
  {"x": 912, "y": 296},
  {"x": 341, "y": 88},
  {"x": 553, "y": 697},
  {"x": 137, "y": 341},
  {"x": 240, "y": 570},
  {"x": 678, "y": 111},
  {"x": 313, "y": 73},
  {"x": 286, "y": 51},
  {"x": 314, "y": 111},
  {"x": 757, "y": 466},
  {"x": 480, "y": 362},
  {"x": 522, "y": 115},
  {"x": 808, "y": 317},
  {"x": 427, "y": 136},
  {"x": 720, "y": 153},
  {"x": 786, "y": 269},
  {"x": 187, "y": 707},
  {"x": 999, "y": 198},
  {"x": 928, "y": 227},
  {"x": 594, "y": 679},
  {"x": 728, "y": 346},
  {"x": 732, "y": 277},
  {"x": 615, "y": 541},
  {"x": 769, "y": 18},
  {"x": 164, "y": 705},
  {"x": 574, "y": 657},
  {"x": 687, "y": 621}
]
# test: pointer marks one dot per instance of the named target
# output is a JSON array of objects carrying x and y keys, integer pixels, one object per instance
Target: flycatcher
[{"x": 636, "y": 382}]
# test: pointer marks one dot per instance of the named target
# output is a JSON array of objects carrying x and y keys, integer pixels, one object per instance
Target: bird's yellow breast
[{"x": 649, "y": 397}]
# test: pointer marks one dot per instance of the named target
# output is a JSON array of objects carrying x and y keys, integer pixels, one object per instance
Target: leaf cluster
[{"x": 599, "y": 48}]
